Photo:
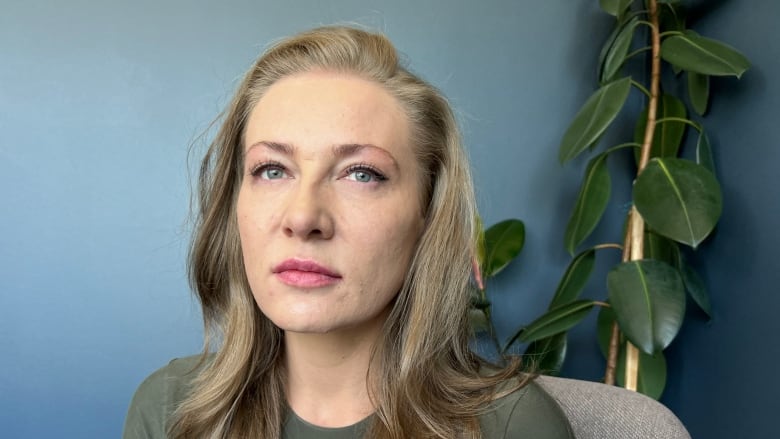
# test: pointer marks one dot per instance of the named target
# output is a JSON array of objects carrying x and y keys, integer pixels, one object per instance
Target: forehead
[{"x": 325, "y": 108}]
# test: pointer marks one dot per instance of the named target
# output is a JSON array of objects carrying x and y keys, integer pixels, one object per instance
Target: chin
[{"x": 303, "y": 325}]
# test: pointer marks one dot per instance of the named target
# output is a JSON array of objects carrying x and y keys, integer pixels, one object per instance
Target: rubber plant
[
  {"x": 676, "y": 201},
  {"x": 497, "y": 247}
]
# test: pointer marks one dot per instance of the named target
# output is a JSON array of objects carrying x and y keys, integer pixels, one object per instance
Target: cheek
[
  {"x": 254, "y": 216},
  {"x": 251, "y": 229},
  {"x": 242, "y": 214},
  {"x": 387, "y": 246},
  {"x": 245, "y": 231}
]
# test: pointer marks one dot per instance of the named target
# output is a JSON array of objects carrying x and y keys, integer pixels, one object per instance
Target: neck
[{"x": 327, "y": 375}]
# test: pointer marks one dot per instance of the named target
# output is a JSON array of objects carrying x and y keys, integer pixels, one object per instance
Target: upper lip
[{"x": 304, "y": 265}]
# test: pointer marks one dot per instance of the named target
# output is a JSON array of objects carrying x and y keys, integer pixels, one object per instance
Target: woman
[{"x": 332, "y": 259}]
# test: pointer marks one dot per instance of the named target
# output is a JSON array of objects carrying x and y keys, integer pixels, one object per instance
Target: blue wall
[
  {"x": 100, "y": 102},
  {"x": 724, "y": 381}
]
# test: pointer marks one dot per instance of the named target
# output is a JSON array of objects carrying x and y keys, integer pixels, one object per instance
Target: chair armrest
[{"x": 598, "y": 411}]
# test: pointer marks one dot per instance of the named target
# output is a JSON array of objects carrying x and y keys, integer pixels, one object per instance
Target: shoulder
[
  {"x": 157, "y": 398},
  {"x": 528, "y": 412}
]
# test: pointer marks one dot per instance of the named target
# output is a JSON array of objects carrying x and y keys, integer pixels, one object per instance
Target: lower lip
[{"x": 306, "y": 279}]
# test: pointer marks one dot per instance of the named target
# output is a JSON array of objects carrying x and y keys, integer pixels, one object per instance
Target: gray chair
[{"x": 599, "y": 411}]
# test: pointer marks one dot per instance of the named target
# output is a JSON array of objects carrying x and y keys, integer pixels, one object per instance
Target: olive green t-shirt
[{"x": 528, "y": 412}]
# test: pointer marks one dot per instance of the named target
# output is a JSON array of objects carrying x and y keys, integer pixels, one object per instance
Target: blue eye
[
  {"x": 272, "y": 173},
  {"x": 364, "y": 174},
  {"x": 363, "y": 177},
  {"x": 269, "y": 171}
]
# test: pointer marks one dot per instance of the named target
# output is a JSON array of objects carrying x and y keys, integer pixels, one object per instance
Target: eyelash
[
  {"x": 260, "y": 167},
  {"x": 365, "y": 167},
  {"x": 360, "y": 167}
]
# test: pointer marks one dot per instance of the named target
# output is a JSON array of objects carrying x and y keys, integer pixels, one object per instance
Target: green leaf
[
  {"x": 698, "y": 91},
  {"x": 575, "y": 278},
  {"x": 615, "y": 7},
  {"x": 652, "y": 369},
  {"x": 671, "y": 17},
  {"x": 695, "y": 287},
  {"x": 604, "y": 323},
  {"x": 695, "y": 53},
  {"x": 704, "y": 152},
  {"x": 648, "y": 298},
  {"x": 608, "y": 45},
  {"x": 479, "y": 321},
  {"x": 620, "y": 24},
  {"x": 678, "y": 199},
  {"x": 651, "y": 379},
  {"x": 694, "y": 284},
  {"x": 591, "y": 203},
  {"x": 503, "y": 242},
  {"x": 594, "y": 118},
  {"x": 661, "y": 248},
  {"x": 555, "y": 321},
  {"x": 478, "y": 303},
  {"x": 548, "y": 354},
  {"x": 668, "y": 135},
  {"x": 616, "y": 55}
]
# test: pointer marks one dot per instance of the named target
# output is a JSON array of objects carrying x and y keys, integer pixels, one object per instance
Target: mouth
[{"x": 305, "y": 273}]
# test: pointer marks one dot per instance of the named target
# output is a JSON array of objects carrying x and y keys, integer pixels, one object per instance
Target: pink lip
[{"x": 305, "y": 273}]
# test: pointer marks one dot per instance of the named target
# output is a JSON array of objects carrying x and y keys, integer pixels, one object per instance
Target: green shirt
[{"x": 525, "y": 413}]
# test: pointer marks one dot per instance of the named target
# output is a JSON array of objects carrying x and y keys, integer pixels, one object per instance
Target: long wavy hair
[{"x": 427, "y": 382}]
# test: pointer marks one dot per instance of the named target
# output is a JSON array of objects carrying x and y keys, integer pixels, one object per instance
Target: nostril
[
  {"x": 306, "y": 220},
  {"x": 303, "y": 232}
]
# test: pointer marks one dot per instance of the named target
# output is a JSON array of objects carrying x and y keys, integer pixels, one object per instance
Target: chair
[{"x": 599, "y": 411}]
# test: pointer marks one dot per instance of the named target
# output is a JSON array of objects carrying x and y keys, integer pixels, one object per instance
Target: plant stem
[
  {"x": 638, "y": 51},
  {"x": 655, "y": 80},
  {"x": 640, "y": 87},
  {"x": 636, "y": 223},
  {"x": 614, "y": 339},
  {"x": 680, "y": 120},
  {"x": 646, "y": 23},
  {"x": 671, "y": 32},
  {"x": 621, "y": 146},
  {"x": 608, "y": 245}
]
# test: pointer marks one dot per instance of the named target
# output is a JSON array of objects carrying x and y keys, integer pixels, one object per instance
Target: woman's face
[{"x": 328, "y": 210}]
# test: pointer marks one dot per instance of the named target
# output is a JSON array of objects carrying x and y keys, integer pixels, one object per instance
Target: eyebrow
[
  {"x": 350, "y": 149},
  {"x": 281, "y": 148},
  {"x": 340, "y": 151}
]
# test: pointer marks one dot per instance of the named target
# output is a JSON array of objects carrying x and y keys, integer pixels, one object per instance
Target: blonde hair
[{"x": 428, "y": 383}]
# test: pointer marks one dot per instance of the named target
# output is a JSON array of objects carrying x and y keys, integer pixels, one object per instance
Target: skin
[{"x": 330, "y": 178}]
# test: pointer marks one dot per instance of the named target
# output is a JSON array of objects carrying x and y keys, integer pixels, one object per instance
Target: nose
[{"x": 307, "y": 214}]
